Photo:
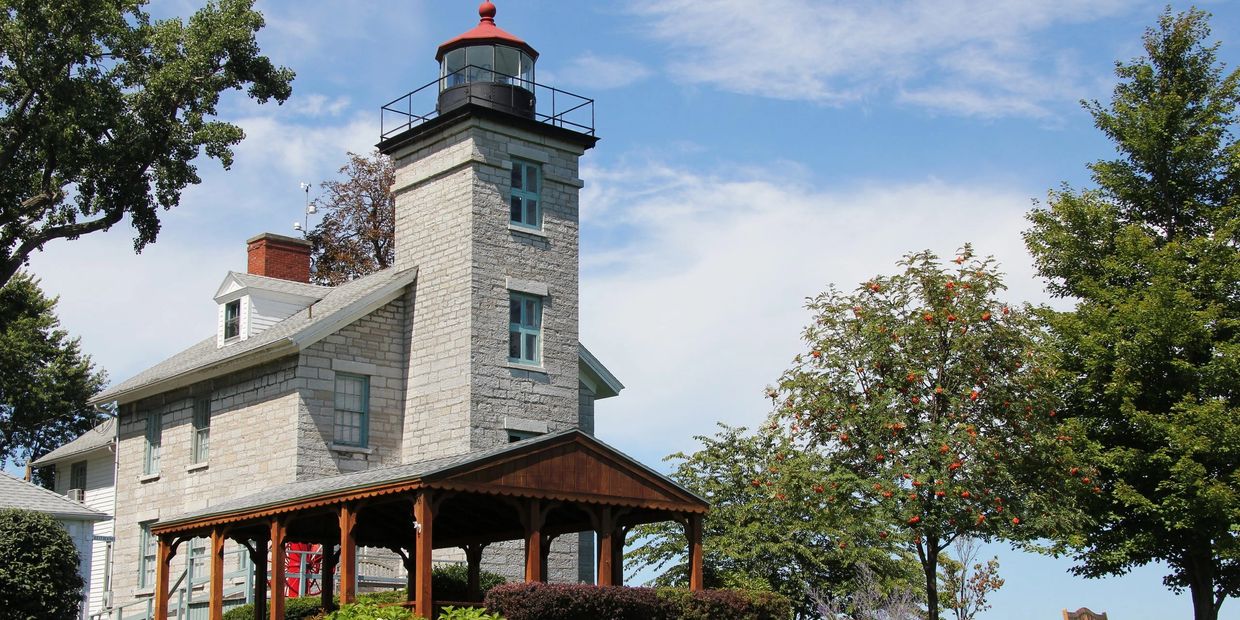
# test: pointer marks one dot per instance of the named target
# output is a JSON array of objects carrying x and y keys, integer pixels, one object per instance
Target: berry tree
[{"x": 934, "y": 404}]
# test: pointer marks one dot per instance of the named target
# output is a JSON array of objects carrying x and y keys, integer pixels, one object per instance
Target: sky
[{"x": 752, "y": 153}]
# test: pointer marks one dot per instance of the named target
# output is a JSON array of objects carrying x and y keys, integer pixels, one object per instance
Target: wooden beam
[
  {"x": 278, "y": 532},
  {"x": 617, "y": 555},
  {"x": 694, "y": 532},
  {"x": 215, "y": 605},
  {"x": 348, "y": 554},
  {"x": 533, "y": 521},
  {"x": 423, "y": 515},
  {"x": 606, "y": 530},
  {"x": 473, "y": 558},
  {"x": 258, "y": 557},
  {"x": 166, "y": 548},
  {"x": 327, "y": 577}
]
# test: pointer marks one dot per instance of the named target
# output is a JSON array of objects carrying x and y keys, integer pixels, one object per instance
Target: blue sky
[{"x": 752, "y": 153}]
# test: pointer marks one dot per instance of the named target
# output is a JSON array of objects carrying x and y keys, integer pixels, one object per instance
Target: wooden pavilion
[{"x": 532, "y": 490}]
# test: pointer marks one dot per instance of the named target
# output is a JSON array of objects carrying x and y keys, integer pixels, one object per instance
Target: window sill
[
  {"x": 144, "y": 478},
  {"x": 526, "y": 367},
  {"x": 335, "y": 447},
  {"x": 147, "y": 591},
  {"x": 196, "y": 467},
  {"x": 533, "y": 232}
]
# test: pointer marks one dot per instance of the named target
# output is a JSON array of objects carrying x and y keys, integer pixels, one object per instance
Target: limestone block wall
[
  {"x": 248, "y": 454},
  {"x": 373, "y": 347}
]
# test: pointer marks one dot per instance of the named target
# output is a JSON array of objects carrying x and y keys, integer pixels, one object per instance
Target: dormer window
[{"x": 232, "y": 319}]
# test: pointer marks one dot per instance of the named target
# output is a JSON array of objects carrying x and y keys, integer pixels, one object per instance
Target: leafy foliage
[
  {"x": 933, "y": 404},
  {"x": 39, "y": 577},
  {"x": 102, "y": 112},
  {"x": 357, "y": 233},
  {"x": 763, "y": 536},
  {"x": 586, "y": 602},
  {"x": 450, "y": 582},
  {"x": 1153, "y": 346},
  {"x": 45, "y": 380},
  {"x": 467, "y": 613},
  {"x": 370, "y": 611},
  {"x": 966, "y": 581}
]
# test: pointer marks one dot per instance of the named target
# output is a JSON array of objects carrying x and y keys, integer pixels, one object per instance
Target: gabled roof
[
  {"x": 339, "y": 307},
  {"x": 94, "y": 439},
  {"x": 595, "y": 375},
  {"x": 630, "y": 482},
  {"x": 15, "y": 493},
  {"x": 275, "y": 285}
]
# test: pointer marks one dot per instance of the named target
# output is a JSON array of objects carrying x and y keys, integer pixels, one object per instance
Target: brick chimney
[{"x": 277, "y": 256}]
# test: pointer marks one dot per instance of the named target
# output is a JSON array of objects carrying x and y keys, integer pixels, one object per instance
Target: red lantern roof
[{"x": 486, "y": 32}]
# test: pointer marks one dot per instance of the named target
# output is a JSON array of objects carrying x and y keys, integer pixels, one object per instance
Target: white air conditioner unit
[{"x": 76, "y": 495}]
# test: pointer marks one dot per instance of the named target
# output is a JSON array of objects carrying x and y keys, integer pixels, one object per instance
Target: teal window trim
[
  {"x": 146, "y": 557},
  {"x": 352, "y": 426},
  {"x": 525, "y": 329},
  {"x": 154, "y": 439},
  {"x": 525, "y": 196},
  {"x": 200, "y": 446}
]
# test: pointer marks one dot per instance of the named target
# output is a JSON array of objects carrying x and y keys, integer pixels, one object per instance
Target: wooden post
[
  {"x": 348, "y": 555},
  {"x": 606, "y": 531},
  {"x": 410, "y": 559},
  {"x": 473, "y": 558},
  {"x": 278, "y": 533},
  {"x": 545, "y": 553},
  {"x": 533, "y": 542},
  {"x": 423, "y": 514},
  {"x": 694, "y": 532},
  {"x": 215, "y": 605},
  {"x": 327, "y": 576},
  {"x": 165, "y": 549},
  {"x": 617, "y": 555},
  {"x": 258, "y": 557}
]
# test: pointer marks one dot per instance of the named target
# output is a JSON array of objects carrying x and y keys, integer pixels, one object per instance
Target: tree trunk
[
  {"x": 1201, "y": 586},
  {"x": 930, "y": 565}
]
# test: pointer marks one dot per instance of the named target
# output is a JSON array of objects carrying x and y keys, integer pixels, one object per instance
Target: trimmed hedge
[{"x": 586, "y": 602}]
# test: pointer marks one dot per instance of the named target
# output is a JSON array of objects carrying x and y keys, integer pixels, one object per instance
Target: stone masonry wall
[
  {"x": 374, "y": 347},
  {"x": 243, "y": 459}
]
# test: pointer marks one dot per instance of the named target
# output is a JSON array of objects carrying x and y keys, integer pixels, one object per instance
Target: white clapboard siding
[
  {"x": 100, "y": 495},
  {"x": 265, "y": 312}
]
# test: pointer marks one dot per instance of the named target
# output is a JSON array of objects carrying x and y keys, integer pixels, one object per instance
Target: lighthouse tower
[{"x": 487, "y": 211}]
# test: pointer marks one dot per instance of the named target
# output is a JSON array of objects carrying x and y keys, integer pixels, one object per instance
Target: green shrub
[
  {"x": 371, "y": 611},
  {"x": 467, "y": 613},
  {"x": 450, "y": 582},
  {"x": 39, "y": 577},
  {"x": 586, "y": 602},
  {"x": 294, "y": 609}
]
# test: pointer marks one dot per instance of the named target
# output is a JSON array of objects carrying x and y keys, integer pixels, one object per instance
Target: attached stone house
[{"x": 469, "y": 342}]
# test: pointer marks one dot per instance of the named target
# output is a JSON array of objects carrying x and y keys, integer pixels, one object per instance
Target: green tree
[
  {"x": 933, "y": 406},
  {"x": 771, "y": 525},
  {"x": 1153, "y": 346},
  {"x": 103, "y": 112},
  {"x": 45, "y": 380},
  {"x": 966, "y": 582},
  {"x": 39, "y": 577},
  {"x": 357, "y": 235}
]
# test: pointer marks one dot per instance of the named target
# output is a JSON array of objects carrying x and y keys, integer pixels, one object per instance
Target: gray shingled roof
[
  {"x": 278, "y": 285},
  {"x": 310, "y": 489},
  {"x": 15, "y": 493},
  {"x": 93, "y": 439},
  {"x": 335, "y": 310}
]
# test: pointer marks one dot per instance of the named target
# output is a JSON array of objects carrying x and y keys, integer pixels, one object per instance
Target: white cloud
[
  {"x": 969, "y": 57},
  {"x": 701, "y": 305},
  {"x": 593, "y": 72}
]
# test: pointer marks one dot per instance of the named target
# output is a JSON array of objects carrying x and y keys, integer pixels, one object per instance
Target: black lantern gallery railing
[{"x": 488, "y": 88}]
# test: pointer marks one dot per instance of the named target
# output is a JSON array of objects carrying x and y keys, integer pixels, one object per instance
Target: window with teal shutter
[
  {"x": 525, "y": 329},
  {"x": 352, "y": 410},
  {"x": 525, "y": 200},
  {"x": 146, "y": 561},
  {"x": 154, "y": 438},
  {"x": 200, "y": 447}
]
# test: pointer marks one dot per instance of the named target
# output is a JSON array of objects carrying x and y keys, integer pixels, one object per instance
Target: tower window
[
  {"x": 200, "y": 446},
  {"x": 525, "y": 201},
  {"x": 153, "y": 439},
  {"x": 352, "y": 409},
  {"x": 232, "y": 319},
  {"x": 525, "y": 329}
]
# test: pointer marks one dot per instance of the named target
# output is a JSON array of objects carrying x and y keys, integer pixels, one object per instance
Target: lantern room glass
[{"x": 486, "y": 63}]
